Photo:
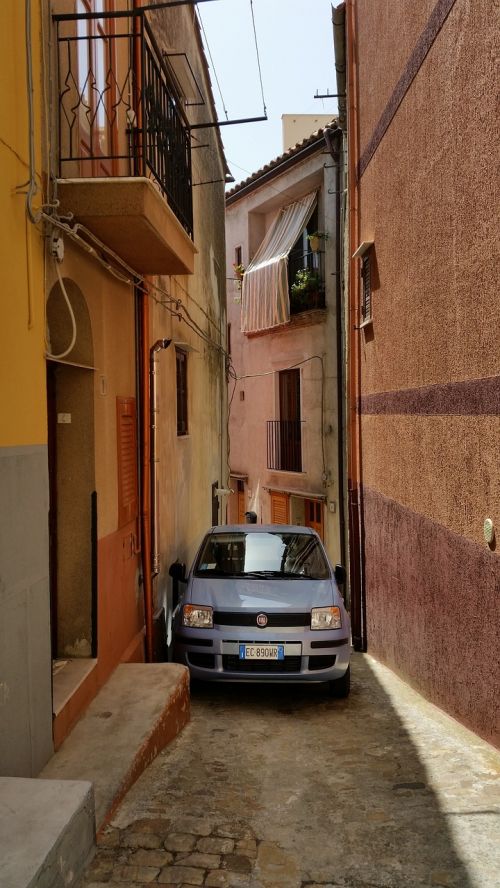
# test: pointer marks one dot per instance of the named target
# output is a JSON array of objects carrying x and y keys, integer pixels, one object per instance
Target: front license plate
[{"x": 262, "y": 652}]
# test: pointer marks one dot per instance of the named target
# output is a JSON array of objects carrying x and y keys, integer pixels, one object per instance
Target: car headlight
[
  {"x": 326, "y": 618},
  {"x": 197, "y": 616}
]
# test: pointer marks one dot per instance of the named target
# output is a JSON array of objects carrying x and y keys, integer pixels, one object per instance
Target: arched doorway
[{"x": 70, "y": 397}]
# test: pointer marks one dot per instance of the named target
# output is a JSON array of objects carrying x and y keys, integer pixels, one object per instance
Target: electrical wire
[
  {"x": 292, "y": 367},
  {"x": 32, "y": 185},
  {"x": 212, "y": 62},
  {"x": 72, "y": 316},
  {"x": 258, "y": 59}
]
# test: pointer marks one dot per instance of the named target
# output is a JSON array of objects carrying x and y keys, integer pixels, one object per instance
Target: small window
[
  {"x": 182, "y": 391},
  {"x": 366, "y": 294},
  {"x": 237, "y": 256}
]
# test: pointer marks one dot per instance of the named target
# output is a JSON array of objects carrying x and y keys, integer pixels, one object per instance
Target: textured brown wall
[
  {"x": 430, "y": 364},
  {"x": 434, "y": 611}
]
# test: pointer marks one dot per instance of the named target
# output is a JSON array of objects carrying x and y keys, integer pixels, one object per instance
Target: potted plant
[
  {"x": 316, "y": 238},
  {"x": 305, "y": 289},
  {"x": 239, "y": 271}
]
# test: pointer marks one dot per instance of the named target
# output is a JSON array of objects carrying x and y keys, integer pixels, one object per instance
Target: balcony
[
  {"x": 284, "y": 445},
  {"x": 124, "y": 142},
  {"x": 307, "y": 281}
]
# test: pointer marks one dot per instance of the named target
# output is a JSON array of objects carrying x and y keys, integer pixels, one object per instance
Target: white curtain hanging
[{"x": 265, "y": 301}]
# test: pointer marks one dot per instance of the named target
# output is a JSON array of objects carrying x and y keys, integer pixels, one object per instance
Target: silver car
[{"x": 261, "y": 603}]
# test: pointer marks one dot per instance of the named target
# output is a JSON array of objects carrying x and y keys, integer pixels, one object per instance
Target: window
[
  {"x": 366, "y": 291},
  {"x": 182, "y": 391},
  {"x": 237, "y": 256},
  {"x": 265, "y": 297},
  {"x": 364, "y": 253},
  {"x": 96, "y": 88}
]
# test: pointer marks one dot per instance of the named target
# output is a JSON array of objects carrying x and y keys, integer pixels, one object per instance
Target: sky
[{"x": 295, "y": 43}]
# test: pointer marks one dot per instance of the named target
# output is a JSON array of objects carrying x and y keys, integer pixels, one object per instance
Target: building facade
[
  {"x": 125, "y": 364},
  {"x": 285, "y": 341},
  {"x": 25, "y": 657},
  {"x": 424, "y": 481}
]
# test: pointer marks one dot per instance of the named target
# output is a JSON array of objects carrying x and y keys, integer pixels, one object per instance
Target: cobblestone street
[{"x": 281, "y": 786}]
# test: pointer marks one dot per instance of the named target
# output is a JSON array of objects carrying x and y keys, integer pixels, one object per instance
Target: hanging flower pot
[{"x": 316, "y": 239}]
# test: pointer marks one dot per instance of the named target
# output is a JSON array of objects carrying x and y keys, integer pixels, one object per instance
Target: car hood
[{"x": 255, "y": 594}]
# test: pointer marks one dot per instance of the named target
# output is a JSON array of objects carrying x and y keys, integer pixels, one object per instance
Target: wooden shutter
[
  {"x": 182, "y": 392},
  {"x": 366, "y": 298},
  {"x": 126, "y": 433},
  {"x": 279, "y": 508}
]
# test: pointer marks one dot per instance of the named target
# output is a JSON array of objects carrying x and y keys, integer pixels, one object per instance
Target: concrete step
[
  {"x": 48, "y": 825},
  {"x": 140, "y": 709},
  {"x": 47, "y": 831}
]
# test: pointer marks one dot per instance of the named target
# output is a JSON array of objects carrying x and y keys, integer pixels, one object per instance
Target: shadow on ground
[{"x": 279, "y": 785}]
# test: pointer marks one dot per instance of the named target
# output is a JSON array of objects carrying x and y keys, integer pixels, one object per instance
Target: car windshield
[{"x": 277, "y": 555}]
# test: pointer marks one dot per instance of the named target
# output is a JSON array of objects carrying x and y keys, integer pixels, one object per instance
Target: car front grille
[
  {"x": 232, "y": 663},
  {"x": 274, "y": 621}
]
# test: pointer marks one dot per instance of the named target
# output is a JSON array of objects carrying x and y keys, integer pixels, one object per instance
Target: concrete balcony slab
[{"x": 131, "y": 216}]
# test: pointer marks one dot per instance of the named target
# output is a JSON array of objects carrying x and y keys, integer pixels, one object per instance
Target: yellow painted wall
[{"x": 22, "y": 365}]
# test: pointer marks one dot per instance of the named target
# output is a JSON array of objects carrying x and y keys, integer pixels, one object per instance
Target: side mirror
[
  {"x": 340, "y": 574},
  {"x": 177, "y": 571}
]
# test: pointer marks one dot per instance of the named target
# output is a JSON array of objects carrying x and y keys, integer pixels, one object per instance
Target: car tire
[{"x": 341, "y": 686}]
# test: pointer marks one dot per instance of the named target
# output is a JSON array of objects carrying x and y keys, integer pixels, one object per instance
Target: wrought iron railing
[
  {"x": 306, "y": 281},
  {"x": 284, "y": 445},
  {"x": 119, "y": 114}
]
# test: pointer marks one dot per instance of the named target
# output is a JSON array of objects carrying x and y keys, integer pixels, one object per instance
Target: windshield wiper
[{"x": 262, "y": 573}]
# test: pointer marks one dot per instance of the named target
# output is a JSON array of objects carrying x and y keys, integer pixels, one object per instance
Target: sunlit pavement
[{"x": 282, "y": 786}]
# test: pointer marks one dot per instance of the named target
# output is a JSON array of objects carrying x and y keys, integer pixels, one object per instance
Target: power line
[
  {"x": 258, "y": 58},
  {"x": 212, "y": 62}
]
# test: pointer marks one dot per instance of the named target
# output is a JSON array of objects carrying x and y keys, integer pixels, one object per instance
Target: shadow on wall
[{"x": 337, "y": 786}]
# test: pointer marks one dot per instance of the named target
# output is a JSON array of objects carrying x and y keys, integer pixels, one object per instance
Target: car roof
[{"x": 262, "y": 528}]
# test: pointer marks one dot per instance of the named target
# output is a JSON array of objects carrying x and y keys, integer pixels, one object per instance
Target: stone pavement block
[
  {"x": 203, "y": 861},
  {"x": 151, "y": 858},
  {"x": 215, "y": 845},
  {"x": 177, "y": 875},
  {"x": 237, "y": 863},
  {"x": 179, "y": 842},
  {"x": 222, "y": 879},
  {"x": 139, "y": 874},
  {"x": 140, "y": 840}
]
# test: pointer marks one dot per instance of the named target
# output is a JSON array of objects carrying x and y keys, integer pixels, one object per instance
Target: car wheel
[{"x": 341, "y": 686}]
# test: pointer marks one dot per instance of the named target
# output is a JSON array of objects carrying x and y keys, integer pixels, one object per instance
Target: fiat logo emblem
[{"x": 261, "y": 620}]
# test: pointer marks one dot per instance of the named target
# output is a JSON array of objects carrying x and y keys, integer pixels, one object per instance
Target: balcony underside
[{"x": 132, "y": 218}]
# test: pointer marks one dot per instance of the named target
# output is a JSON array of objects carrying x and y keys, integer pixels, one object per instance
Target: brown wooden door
[
  {"x": 241, "y": 501},
  {"x": 290, "y": 434},
  {"x": 314, "y": 516}
]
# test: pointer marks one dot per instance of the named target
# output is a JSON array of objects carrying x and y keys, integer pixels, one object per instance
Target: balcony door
[
  {"x": 290, "y": 424},
  {"x": 96, "y": 85}
]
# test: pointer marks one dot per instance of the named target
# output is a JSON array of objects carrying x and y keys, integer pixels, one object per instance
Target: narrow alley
[{"x": 282, "y": 786}]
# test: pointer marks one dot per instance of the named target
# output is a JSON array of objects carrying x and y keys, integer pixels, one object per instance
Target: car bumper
[{"x": 321, "y": 656}]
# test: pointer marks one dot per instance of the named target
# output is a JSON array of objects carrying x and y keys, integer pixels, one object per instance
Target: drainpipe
[
  {"x": 356, "y": 522},
  {"x": 146, "y": 477},
  {"x": 153, "y": 413},
  {"x": 333, "y": 139}
]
